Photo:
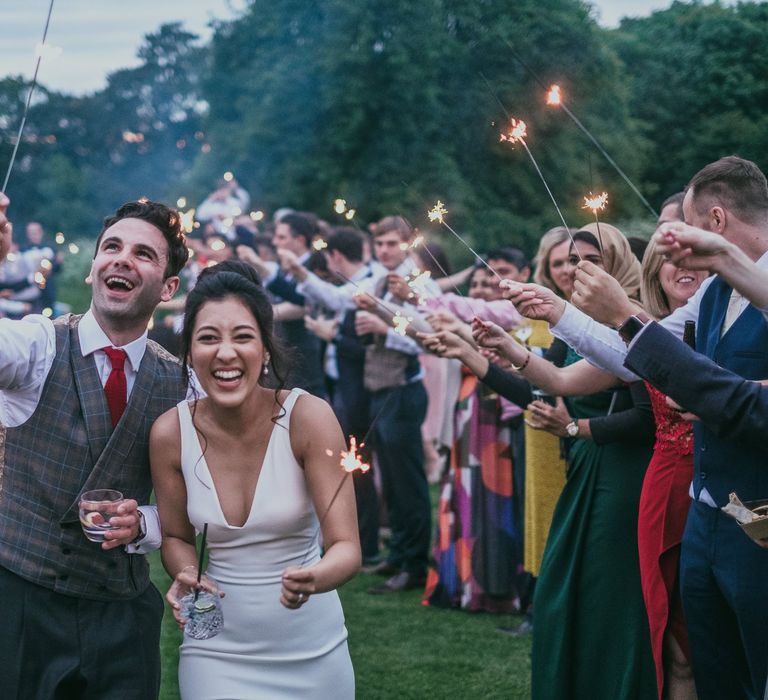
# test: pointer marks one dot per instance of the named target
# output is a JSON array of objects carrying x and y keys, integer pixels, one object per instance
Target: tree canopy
[{"x": 392, "y": 105}]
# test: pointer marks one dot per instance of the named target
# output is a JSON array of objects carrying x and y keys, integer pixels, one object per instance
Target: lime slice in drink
[{"x": 203, "y": 606}]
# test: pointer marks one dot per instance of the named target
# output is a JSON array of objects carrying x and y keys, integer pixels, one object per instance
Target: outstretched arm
[{"x": 729, "y": 405}]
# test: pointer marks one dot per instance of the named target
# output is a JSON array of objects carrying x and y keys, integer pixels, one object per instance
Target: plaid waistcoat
[
  {"x": 386, "y": 368},
  {"x": 69, "y": 446}
]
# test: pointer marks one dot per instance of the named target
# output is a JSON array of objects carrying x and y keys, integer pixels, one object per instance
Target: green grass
[{"x": 401, "y": 649}]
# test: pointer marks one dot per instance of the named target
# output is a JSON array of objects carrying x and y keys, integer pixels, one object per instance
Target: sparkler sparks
[
  {"x": 437, "y": 212},
  {"x": 418, "y": 284},
  {"x": 351, "y": 461},
  {"x": 319, "y": 245},
  {"x": 400, "y": 323},
  {"x": 517, "y": 132},
  {"x": 595, "y": 203},
  {"x": 340, "y": 206},
  {"x": 187, "y": 219},
  {"x": 553, "y": 96}
]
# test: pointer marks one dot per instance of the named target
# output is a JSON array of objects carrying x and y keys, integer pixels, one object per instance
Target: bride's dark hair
[{"x": 236, "y": 279}]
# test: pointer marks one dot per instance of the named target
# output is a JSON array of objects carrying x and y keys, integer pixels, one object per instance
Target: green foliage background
[{"x": 393, "y": 104}]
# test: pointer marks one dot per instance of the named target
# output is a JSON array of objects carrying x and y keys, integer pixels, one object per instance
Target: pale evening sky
[{"x": 99, "y": 36}]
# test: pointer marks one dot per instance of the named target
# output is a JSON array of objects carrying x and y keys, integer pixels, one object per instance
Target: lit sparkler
[
  {"x": 351, "y": 461},
  {"x": 319, "y": 244},
  {"x": 437, "y": 213},
  {"x": 553, "y": 96},
  {"x": 340, "y": 206},
  {"x": 418, "y": 284},
  {"x": 516, "y": 134},
  {"x": 555, "y": 90},
  {"x": 187, "y": 219},
  {"x": 400, "y": 323},
  {"x": 596, "y": 204},
  {"x": 518, "y": 130}
]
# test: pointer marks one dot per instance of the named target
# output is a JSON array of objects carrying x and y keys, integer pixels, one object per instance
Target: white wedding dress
[{"x": 265, "y": 650}]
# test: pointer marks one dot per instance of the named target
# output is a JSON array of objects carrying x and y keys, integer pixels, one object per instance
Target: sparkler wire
[
  {"x": 344, "y": 478},
  {"x": 29, "y": 100}
]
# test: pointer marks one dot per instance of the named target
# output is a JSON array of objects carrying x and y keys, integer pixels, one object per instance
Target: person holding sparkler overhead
[{"x": 257, "y": 464}]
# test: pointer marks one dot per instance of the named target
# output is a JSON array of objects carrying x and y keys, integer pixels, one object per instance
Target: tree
[{"x": 698, "y": 85}]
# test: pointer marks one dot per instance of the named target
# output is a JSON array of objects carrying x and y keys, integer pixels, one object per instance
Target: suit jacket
[
  {"x": 304, "y": 347},
  {"x": 732, "y": 407}
]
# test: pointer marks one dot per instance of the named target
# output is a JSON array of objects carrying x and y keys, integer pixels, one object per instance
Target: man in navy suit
[{"x": 294, "y": 234}]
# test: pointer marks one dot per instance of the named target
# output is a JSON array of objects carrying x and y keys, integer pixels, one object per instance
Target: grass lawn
[{"x": 401, "y": 649}]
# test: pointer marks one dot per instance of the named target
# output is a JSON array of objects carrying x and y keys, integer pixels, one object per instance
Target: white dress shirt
[
  {"x": 27, "y": 351},
  {"x": 604, "y": 348}
]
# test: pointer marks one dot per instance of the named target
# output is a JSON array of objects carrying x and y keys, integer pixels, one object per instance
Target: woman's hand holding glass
[{"x": 184, "y": 583}]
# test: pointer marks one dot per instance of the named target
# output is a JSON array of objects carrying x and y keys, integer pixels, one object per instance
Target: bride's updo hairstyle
[{"x": 236, "y": 279}]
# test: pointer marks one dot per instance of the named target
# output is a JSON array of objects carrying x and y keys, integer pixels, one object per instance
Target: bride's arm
[
  {"x": 178, "y": 548},
  {"x": 317, "y": 443}
]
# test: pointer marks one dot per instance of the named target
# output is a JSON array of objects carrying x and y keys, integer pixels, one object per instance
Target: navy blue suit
[
  {"x": 305, "y": 347},
  {"x": 732, "y": 407},
  {"x": 723, "y": 573}
]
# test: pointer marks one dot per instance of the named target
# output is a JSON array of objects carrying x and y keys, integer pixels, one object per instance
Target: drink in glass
[
  {"x": 203, "y": 616},
  {"x": 96, "y": 510}
]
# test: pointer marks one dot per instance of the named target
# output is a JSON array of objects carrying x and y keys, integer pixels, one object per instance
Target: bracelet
[
  {"x": 189, "y": 566},
  {"x": 524, "y": 365}
]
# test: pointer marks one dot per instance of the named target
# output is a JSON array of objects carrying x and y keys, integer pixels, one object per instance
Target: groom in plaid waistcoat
[{"x": 82, "y": 619}]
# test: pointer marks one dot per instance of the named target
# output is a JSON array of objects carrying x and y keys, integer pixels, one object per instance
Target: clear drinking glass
[
  {"x": 204, "y": 616},
  {"x": 96, "y": 510}
]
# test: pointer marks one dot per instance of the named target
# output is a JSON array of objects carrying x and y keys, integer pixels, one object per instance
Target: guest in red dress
[{"x": 664, "y": 500}]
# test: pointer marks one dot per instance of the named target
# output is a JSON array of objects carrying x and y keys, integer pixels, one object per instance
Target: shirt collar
[{"x": 93, "y": 338}]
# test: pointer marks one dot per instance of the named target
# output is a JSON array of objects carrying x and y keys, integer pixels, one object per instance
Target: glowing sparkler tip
[
  {"x": 339, "y": 205},
  {"x": 437, "y": 212},
  {"x": 595, "y": 202},
  {"x": 517, "y": 132},
  {"x": 417, "y": 242},
  {"x": 350, "y": 460},
  {"x": 401, "y": 323},
  {"x": 350, "y": 214},
  {"x": 319, "y": 244},
  {"x": 553, "y": 96},
  {"x": 228, "y": 176}
]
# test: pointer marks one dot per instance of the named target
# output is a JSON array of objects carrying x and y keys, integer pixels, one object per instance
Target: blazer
[{"x": 732, "y": 407}]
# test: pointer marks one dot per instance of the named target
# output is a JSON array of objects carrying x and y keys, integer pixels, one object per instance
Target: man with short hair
[
  {"x": 79, "y": 396},
  {"x": 509, "y": 263},
  {"x": 399, "y": 404},
  {"x": 293, "y": 237}
]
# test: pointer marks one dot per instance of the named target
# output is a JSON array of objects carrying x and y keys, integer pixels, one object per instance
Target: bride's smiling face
[{"x": 227, "y": 352}]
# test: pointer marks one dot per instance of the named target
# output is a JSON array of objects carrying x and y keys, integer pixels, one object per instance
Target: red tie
[{"x": 116, "y": 387}]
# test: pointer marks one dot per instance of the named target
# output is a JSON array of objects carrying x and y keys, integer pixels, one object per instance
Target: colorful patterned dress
[{"x": 477, "y": 551}]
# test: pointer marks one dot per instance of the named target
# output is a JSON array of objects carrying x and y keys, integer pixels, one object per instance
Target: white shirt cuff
[{"x": 153, "y": 539}]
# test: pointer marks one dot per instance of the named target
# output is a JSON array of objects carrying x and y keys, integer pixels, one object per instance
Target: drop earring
[{"x": 265, "y": 370}]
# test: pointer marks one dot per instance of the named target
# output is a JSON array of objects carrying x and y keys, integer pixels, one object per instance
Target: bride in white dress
[{"x": 257, "y": 465}]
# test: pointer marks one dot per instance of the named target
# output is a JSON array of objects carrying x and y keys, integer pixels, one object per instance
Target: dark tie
[{"x": 116, "y": 388}]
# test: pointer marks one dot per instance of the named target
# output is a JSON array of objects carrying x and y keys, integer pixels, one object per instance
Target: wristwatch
[
  {"x": 632, "y": 326},
  {"x": 572, "y": 429},
  {"x": 142, "y": 528}
]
